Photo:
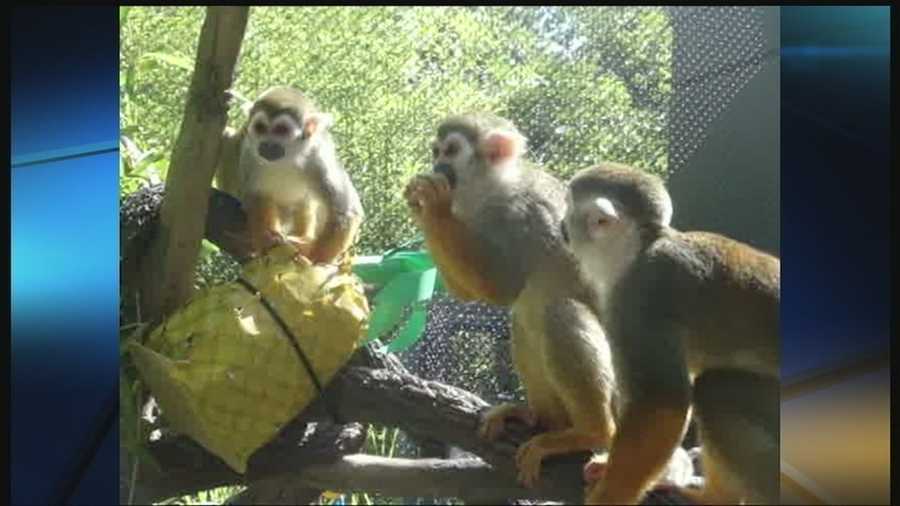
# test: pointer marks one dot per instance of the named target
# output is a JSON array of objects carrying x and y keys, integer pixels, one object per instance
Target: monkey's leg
[
  {"x": 263, "y": 223},
  {"x": 580, "y": 373},
  {"x": 738, "y": 414},
  {"x": 652, "y": 425},
  {"x": 336, "y": 241},
  {"x": 302, "y": 231},
  {"x": 540, "y": 399},
  {"x": 641, "y": 449},
  {"x": 716, "y": 487},
  {"x": 536, "y": 449}
]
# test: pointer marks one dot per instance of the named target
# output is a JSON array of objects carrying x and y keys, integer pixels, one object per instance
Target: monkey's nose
[
  {"x": 271, "y": 151},
  {"x": 564, "y": 232},
  {"x": 446, "y": 170}
]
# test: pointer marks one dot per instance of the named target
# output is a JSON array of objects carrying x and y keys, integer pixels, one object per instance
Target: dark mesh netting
[{"x": 717, "y": 51}]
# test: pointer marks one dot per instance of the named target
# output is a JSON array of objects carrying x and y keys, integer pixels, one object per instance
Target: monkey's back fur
[
  {"x": 522, "y": 233},
  {"x": 558, "y": 346},
  {"x": 707, "y": 276}
]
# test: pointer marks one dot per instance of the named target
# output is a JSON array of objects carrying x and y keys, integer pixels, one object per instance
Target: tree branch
[
  {"x": 396, "y": 477},
  {"x": 183, "y": 216},
  {"x": 390, "y": 398}
]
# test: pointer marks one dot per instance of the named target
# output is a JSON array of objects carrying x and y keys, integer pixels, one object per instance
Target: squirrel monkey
[
  {"x": 283, "y": 167},
  {"x": 491, "y": 223},
  {"x": 692, "y": 319}
]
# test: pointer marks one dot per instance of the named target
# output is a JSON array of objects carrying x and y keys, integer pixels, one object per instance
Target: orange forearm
[
  {"x": 458, "y": 257},
  {"x": 262, "y": 218},
  {"x": 640, "y": 452}
]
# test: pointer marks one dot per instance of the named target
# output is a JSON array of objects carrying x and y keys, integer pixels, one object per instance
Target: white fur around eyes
[
  {"x": 261, "y": 118},
  {"x": 465, "y": 149}
]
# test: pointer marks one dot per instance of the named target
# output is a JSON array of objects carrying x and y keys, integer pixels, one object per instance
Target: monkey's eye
[
  {"x": 452, "y": 149},
  {"x": 435, "y": 152},
  {"x": 259, "y": 127},
  {"x": 280, "y": 130}
]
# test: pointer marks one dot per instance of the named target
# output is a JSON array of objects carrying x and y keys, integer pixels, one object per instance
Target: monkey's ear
[
  {"x": 501, "y": 146},
  {"x": 600, "y": 215},
  {"x": 317, "y": 122}
]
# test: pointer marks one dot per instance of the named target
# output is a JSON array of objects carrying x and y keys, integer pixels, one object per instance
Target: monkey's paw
[
  {"x": 528, "y": 460},
  {"x": 268, "y": 239},
  {"x": 595, "y": 470},
  {"x": 495, "y": 419},
  {"x": 303, "y": 247},
  {"x": 429, "y": 192}
]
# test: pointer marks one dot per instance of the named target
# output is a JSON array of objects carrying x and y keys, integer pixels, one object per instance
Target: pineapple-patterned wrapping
[{"x": 226, "y": 374}]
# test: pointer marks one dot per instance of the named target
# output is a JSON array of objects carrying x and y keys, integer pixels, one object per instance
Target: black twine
[{"x": 291, "y": 338}]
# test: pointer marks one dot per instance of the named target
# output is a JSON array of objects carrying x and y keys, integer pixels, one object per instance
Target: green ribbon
[{"x": 406, "y": 276}]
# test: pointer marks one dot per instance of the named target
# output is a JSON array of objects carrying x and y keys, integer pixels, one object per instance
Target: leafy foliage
[{"x": 583, "y": 83}]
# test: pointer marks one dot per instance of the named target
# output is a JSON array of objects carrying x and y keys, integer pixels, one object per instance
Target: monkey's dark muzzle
[
  {"x": 447, "y": 171},
  {"x": 271, "y": 151}
]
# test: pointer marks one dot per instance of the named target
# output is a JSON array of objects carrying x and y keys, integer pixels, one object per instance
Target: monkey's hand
[
  {"x": 495, "y": 418},
  {"x": 303, "y": 245},
  {"x": 455, "y": 250},
  {"x": 265, "y": 239},
  {"x": 429, "y": 193}
]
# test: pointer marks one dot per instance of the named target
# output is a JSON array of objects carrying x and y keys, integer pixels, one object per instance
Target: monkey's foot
[
  {"x": 528, "y": 460},
  {"x": 546, "y": 444},
  {"x": 691, "y": 495},
  {"x": 495, "y": 419},
  {"x": 595, "y": 469}
]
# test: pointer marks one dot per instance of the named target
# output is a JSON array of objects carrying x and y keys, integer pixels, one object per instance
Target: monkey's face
[
  {"x": 283, "y": 137},
  {"x": 493, "y": 158}
]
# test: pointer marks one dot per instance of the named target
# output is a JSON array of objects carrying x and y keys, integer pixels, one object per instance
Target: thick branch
[
  {"x": 186, "y": 467},
  {"x": 442, "y": 412},
  {"x": 395, "y": 477},
  {"x": 183, "y": 217},
  {"x": 416, "y": 406}
]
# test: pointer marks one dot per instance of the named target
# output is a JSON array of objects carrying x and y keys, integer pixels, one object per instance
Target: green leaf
[
  {"x": 182, "y": 62},
  {"x": 123, "y": 15}
]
